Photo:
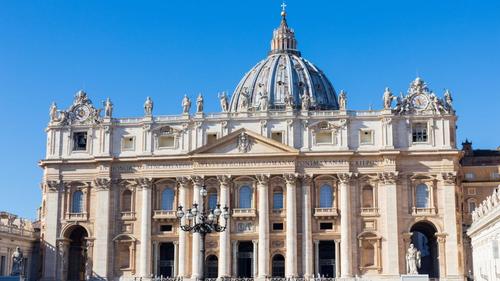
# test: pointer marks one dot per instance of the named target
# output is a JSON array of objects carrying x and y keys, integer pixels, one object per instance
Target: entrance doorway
[
  {"x": 327, "y": 259},
  {"x": 212, "y": 266},
  {"x": 278, "y": 266},
  {"x": 424, "y": 239},
  {"x": 166, "y": 262},
  {"x": 245, "y": 259},
  {"x": 77, "y": 254}
]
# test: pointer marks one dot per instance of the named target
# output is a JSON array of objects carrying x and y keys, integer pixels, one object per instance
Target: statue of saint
[
  {"x": 342, "y": 100},
  {"x": 223, "y": 101},
  {"x": 199, "y": 103},
  {"x": 186, "y": 104},
  {"x": 388, "y": 97},
  {"x": 306, "y": 102},
  {"x": 244, "y": 95},
  {"x": 448, "y": 101},
  {"x": 413, "y": 260},
  {"x": 17, "y": 263},
  {"x": 263, "y": 101},
  {"x": 288, "y": 100},
  {"x": 108, "y": 108},
  {"x": 148, "y": 107},
  {"x": 53, "y": 113}
]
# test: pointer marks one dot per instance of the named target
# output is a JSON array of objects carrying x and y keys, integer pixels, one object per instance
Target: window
[
  {"x": 212, "y": 201},
  {"x": 211, "y": 138},
  {"x": 368, "y": 254},
  {"x": 165, "y": 227},
  {"x": 419, "y": 132},
  {"x": 278, "y": 200},
  {"x": 2, "y": 266},
  {"x": 367, "y": 197},
  {"x": 77, "y": 203},
  {"x": 127, "y": 201},
  {"x": 277, "y": 136},
  {"x": 128, "y": 143},
  {"x": 325, "y": 196},
  {"x": 325, "y": 137},
  {"x": 80, "y": 141},
  {"x": 245, "y": 201},
  {"x": 422, "y": 196},
  {"x": 167, "y": 199},
  {"x": 472, "y": 205},
  {"x": 278, "y": 266},
  {"x": 326, "y": 226},
  {"x": 277, "y": 226},
  {"x": 124, "y": 255},
  {"x": 166, "y": 142},
  {"x": 495, "y": 176},
  {"x": 469, "y": 176},
  {"x": 366, "y": 137}
]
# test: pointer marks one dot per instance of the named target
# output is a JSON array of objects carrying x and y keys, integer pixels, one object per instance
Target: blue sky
[{"x": 128, "y": 50}]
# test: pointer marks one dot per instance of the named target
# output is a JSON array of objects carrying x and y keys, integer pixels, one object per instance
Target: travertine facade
[{"x": 314, "y": 188}]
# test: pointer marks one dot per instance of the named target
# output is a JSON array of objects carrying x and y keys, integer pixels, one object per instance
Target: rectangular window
[
  {"x": 278, "y": 200},
  {"x": 277, "y": 136},
  {"x": 324, "y": 137},
  {"x": 365, "y": 137},
  {"x": 166, "y": 142},
  {"x": 79, "y": 141},
  {"x": 326, "y": 226},
  {"x": 277, "y": 226},
  {"x": 166, "y": 227},
  {"x": 128, "y": 143},
  {"x": 211, "y": 138},
  {"x": 419, "y": 132}
]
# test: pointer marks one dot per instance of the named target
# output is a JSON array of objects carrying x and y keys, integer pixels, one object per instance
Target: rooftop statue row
[{"x": 491, "y": 203}]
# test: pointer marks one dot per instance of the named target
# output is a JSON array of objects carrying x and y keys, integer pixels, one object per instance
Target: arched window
[
  {"x": 367, "y": 197},
  {"x": 422, "y": 196},
  {"x": 245, "y": 197},
  {"x": 278, "y": 199},
  {"x": 211, "y": 266},
  {"x": 212, "y": 201},
  {"x": 167, "y": 199},
  {"x": 278, "y": 264},
  {"x": 368, "y": 254},
  {"x": 77, "y": 202},
  {"x": 127, "y": 201},
  {"x": 325, "y": 196}
]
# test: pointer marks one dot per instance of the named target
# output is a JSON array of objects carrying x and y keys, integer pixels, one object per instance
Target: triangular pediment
[{"x": 244, "y": 142}]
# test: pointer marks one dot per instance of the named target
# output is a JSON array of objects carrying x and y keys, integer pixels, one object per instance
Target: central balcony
[
  {"x": 76, "y": 216},
  {"x": 325, "y": 212},
  {"x": 244, "y": 213},
  {"x": 164, "y": 215}
]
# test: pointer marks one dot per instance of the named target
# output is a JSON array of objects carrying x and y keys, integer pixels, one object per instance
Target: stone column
[
  {"x": 441, "y": 240},
  {"x": 145, "y": 250},
  {"x": 451, "y": 227},
  {"x": 291, "y": 226},
  {"x": 235, "y": 259},
  {"x": 255, "y": 263},
  {"x": 307, "y": 249},
  {"x": 225, "y": 236},
  {"x": 183, "y": 185},
  {"x": 345, "y": 224},
  {"x": 176, "y": 259},
  {"x": 102, "y": 222},
  {"x": 389, "y": 209},
  {"x": 263, "y": 191},
  {"x": 52, "y": 217},
  {"x": 337, "y": 259},
  {"x": 196, "y": 258},
  {"x": 316, "y": 256}
]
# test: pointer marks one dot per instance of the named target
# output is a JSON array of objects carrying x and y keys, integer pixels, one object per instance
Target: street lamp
[{"x": 203, "y": 222}]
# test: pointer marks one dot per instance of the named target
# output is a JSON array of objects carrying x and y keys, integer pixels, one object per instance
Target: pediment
[{"x": 244, "y": 142}]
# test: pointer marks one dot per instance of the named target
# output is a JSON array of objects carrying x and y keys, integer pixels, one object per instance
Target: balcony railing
[
  {"x": 16, "y": 231},
  {"x": 244, "y": 213},
  {"x": 128, "y": 215},
  {"x": 164, "y": 214},
  {"x": 325, "y": 212},
  {"x": 369, "y": 211},
  {"x": 278, "y": 212},
  {"x": 77, "y": 216},
  {"x": 423, "y": 211}
]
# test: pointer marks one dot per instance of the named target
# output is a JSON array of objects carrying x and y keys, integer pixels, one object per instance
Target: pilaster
[
  {"x": 345, "y": 225},
  {"x": 291, "y": 226},
  {"x": 183, "y": 183},
  {"x": 307, "y": 247},
  {"x": 225, "y": 236},
  {"x": 53, "y": 210},
  {"x": 389, "y": 210},
  {"x": 145, "y": 249},
  {"x": 101, "y": 258},
  {"x": 263, "y": 245}
]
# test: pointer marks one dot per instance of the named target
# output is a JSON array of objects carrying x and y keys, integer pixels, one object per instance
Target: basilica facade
[{"x": 313, "y": 188}]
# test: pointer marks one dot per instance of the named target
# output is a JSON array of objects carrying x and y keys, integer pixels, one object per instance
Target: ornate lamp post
[{"x": 203, "y": 222}]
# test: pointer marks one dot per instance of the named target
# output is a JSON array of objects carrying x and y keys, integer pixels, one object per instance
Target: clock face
[
  {"x": 420, "y": 102},
  {"x": 82, "y": 113}
]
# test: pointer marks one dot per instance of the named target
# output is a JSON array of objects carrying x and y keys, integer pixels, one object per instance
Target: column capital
[
  {"x": 224, "y": 179},
  {"x": 345, "y": 177},
  {"x": 441, "y": 237},
  {"x": 306, "y": 179},
  {"x": 144, "y": 183},
  {"x": 198, "y": 180},
  {"x": 101, "y": 183},
  {"x": 182, "y": 181},
  {"x": 291, "y": 178},
  {"x": 388, "y": 177},
  {"x": 449, "y": 178},
  {"x": 53, "y": 185},
  {"x": 262, "y": 179},
  {"x": 255, "y": 242}
]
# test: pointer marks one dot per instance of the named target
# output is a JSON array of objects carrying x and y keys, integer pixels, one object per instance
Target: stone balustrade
[
  {"x": 244, "y": 212},
  {"x": 325, "y": 212},
  {"x": 164, "y": 214}
]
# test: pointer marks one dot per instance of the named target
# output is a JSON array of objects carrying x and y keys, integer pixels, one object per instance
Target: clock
[
  {"x": 82, "y": 112},
  {"x": 420, "y": 102}
]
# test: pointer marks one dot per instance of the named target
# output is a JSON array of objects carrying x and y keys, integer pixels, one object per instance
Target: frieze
[{"x": 232, "y": 163}]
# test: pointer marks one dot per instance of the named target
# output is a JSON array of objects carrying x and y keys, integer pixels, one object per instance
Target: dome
[{"x": 283, "y": 79}]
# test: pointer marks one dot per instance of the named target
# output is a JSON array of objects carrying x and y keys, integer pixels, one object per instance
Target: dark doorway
[
  {"x": 212, "y": 266},
  {"x": 278, "y": 266},
  {"x": 77, "y": 255},
  {"x": 424, "y": 239},
  {"x": 245, "y": 258},
  {"x": 327, "y": 259},
  {"x": 166, "y": 262}
]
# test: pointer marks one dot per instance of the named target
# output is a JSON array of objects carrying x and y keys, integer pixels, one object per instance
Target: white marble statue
[
  {"x": 288, "y": 99},
  {"x": 108, "y": 108},
  {"x": 223, "y": 101},
  {"x": 306, "y": 101},
  {"x": 263, "y": 101},
  {"x": 53, "y": 112},
  {"x": 199, "y": 103},
  {"x": 342, "y": 100},
  {"x": 244, "y": 99},
  {"x": 448, "y": 101},
  {"x": 17, "y": 263},
  {"x": 413, "y": 260},
  {"x": 186, "y": 104},
  {"x": 148, "y": 107},
  {"x": 388, "y": 97}
]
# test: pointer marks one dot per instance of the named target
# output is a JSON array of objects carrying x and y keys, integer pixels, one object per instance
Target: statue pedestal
[{"x": 415, "y": 277}]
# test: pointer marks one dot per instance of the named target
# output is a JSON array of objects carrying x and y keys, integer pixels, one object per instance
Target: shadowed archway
[{"x": 424, "y": 239}]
